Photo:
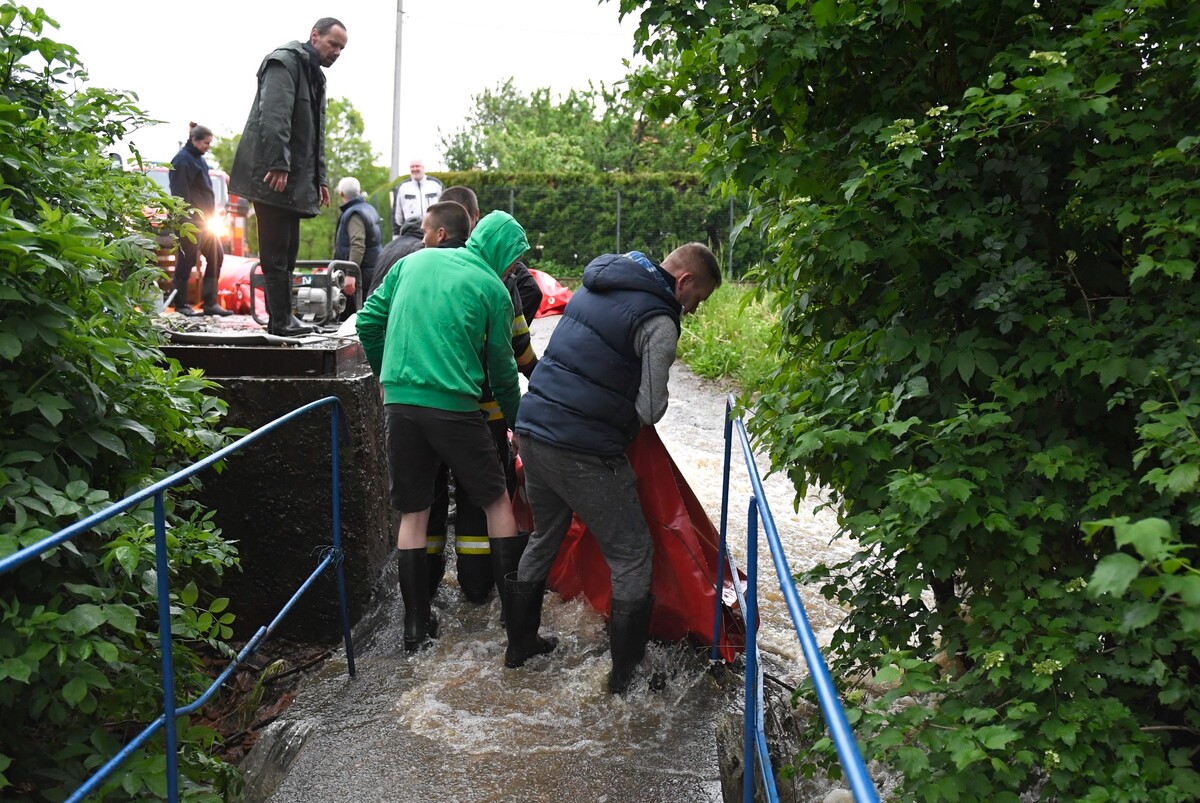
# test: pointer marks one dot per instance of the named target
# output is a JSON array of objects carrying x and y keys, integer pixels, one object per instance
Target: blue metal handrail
[
  {"x": 755, "y": 741},
  {"x": 331, "y": 555}
]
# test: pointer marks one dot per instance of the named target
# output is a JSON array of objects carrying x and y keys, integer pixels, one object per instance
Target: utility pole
[{"x": 396, "y": 93}]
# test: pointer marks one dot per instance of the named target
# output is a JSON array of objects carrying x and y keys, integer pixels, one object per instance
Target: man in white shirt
[{"x": 413, "y": 197}]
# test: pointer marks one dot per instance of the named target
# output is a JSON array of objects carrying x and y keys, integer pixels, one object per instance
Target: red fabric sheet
[
  {"x": 554, "y": 295},
  {"x": 686, "y": 547}
]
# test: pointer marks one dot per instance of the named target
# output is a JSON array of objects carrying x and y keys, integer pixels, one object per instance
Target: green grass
[{"x": 730, "y": 337}]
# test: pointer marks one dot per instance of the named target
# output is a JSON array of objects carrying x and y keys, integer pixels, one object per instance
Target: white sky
[{"x": 197, "y": 61}]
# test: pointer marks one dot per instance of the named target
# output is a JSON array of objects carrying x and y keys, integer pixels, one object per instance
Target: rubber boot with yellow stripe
[{"x": 474, "y": 567}]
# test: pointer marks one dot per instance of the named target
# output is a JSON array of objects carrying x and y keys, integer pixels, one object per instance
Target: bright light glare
[{"x": 218, "y": 225}]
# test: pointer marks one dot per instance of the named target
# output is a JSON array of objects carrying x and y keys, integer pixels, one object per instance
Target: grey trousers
[{"x": 603, "y": 491}]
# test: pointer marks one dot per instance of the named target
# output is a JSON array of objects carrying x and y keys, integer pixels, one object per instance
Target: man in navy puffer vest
[{"x": 604, "y": 374}]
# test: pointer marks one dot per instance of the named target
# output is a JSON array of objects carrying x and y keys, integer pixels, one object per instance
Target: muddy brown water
[{"x": 452, "y": 724}]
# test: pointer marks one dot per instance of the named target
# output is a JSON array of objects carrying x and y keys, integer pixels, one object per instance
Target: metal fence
[
  {"x": 755, "y": 740},
  {"x": 330, "y": 556}
]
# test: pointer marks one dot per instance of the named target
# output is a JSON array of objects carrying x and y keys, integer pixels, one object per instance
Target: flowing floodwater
[{"x": 452, "y": 724}]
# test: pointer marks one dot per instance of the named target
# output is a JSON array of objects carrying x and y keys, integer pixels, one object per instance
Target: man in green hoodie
[{"x": 439, "y": 319}]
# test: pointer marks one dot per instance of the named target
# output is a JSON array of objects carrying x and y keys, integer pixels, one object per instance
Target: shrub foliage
[
  {"x": 986, "y": 218},
  {"x": 573, "y": 217},
  {"x": 91, "y": 410}
]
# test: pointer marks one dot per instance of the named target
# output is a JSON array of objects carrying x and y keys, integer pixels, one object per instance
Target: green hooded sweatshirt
[{"x": 440, "y": 315}]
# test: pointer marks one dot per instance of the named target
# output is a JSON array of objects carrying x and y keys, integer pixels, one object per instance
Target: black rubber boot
[
  {"x": 474, "y": 576},
  {"x": 182, "y": 306},
  {"x": 628, "y": 632},
  {"x": 420, "y": 625},
  {"x": 281, "y": 321},
  {"x": 506, "y": 559},
  {"x": 524, "y": 603}
]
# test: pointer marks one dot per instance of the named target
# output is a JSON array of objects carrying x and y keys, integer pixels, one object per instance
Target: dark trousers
[
  {"x": 278, "y": 244},
  {"x": 603, "y": 491},
  {"x": 209, "y": 247}
]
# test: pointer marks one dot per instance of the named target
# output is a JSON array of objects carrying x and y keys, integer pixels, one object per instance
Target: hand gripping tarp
[{"x": 686, "y": 547}]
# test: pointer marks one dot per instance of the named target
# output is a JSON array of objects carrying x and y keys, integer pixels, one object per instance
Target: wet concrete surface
[{"x": 452, "y": 724}]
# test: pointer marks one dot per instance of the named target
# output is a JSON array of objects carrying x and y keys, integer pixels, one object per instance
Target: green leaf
[
  {"x": 1189, "y": 620},
  {"x": 1113, "y": 574},
  {"x": 1146, "y": 536},
  {"x": 189, "y": 594},
  {"x": 108, "y": 441},
  {"x": 128, "y": 556},
  {"x": 15, "y": 669},
  {"x": 74, "y": 691},
  {"x": 995, "y": 737},
  {"x": 82, "y": 619},
  {"x": 10, "y": 346},
  {"x": 1138, "y": 616},
  {"x": 824, "y": 12},
  {"x": 122, "y": 617}
]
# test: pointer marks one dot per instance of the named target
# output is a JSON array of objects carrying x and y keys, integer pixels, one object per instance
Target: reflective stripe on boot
[{"x": 435, "y": 548}]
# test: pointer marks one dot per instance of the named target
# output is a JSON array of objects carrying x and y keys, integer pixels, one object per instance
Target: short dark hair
[
  {"x": 697, "y": 259},
  {"x": 462, "y": 195},
  {"x": 451, "y": 216},
  {"x": 323, "y": 25}
]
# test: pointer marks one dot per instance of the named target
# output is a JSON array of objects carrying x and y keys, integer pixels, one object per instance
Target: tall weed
[{"x": 731, "y": 336}]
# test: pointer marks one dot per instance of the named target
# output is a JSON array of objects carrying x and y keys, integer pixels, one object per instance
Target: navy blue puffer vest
[
  {"x": 374, "y": 226},
  {"x": 582, "y": 393}
]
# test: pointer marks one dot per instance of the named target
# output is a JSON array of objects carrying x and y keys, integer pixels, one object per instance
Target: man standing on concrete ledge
[
  {"x": 280, "y": 161},
  {"x": 440, "y": 317},
  {"x": 603, "y": 375}
]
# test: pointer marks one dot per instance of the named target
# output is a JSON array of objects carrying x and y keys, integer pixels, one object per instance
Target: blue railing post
[
  {"x": 167, "y": 719},
  {"x": 751, "y": 611},
  {"x": 836, "y": 723},
  {"x": 334, "y": 421},
  {"x": 164, "y": 640},
  {"x": 722, "y": 553}
]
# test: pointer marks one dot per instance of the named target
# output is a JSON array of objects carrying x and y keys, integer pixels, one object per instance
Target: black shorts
[{"x": 420, "y": 439}]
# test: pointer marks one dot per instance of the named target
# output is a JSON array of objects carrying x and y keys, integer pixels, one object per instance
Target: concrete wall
[{"x": 274, "y": 499}]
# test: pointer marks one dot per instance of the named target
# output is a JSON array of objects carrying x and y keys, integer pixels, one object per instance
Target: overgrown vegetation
[
  {"x": 91, "y": 410},
  {"x": 986, "y": 216},
  {"x": 730, "y": 337}
]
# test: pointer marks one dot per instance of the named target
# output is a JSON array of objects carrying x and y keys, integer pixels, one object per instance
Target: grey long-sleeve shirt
[{"x": 656, "y": 341}]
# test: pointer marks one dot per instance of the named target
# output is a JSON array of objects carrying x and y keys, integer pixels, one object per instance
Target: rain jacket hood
[{"x": 498, "y": 240}]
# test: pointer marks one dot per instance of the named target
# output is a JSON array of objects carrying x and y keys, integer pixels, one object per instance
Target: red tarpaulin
[
  {"x": 686, "y": 547},
  {"x": 554, "y": 295}
]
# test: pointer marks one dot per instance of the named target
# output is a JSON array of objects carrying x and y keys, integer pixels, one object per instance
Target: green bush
[
  {"x": 572, "y": 218},
  {"x": 91, "y": 412},
  {"x": 986, "y": 217}
]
